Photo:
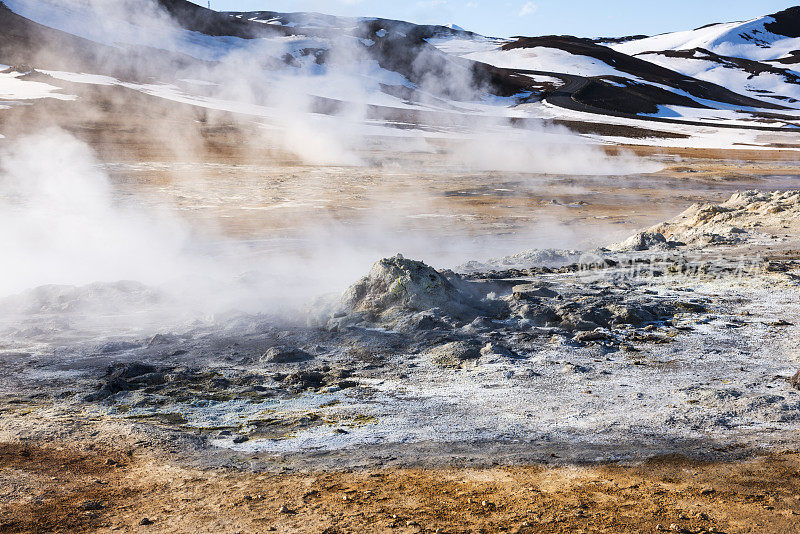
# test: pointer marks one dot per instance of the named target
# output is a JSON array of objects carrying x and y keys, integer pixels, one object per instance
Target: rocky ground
[
  {"x": 677, "y": 343},
  {"x": 124, "y": 489}
]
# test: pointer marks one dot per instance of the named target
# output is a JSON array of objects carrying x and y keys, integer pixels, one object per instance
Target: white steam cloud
[
  {"x": 63, "y": 222},
  {"x": 60, "y": 224}
]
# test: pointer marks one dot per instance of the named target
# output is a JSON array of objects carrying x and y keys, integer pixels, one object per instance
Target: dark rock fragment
[{"x": 284, "y": 354}]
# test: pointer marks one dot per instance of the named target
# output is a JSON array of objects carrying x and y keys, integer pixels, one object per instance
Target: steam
[
  {"x": 63, "y": 222},
  {"x": 56, "y": 204},
  {"x": 323, "y": 112},
  {"x": 551, "y": 151}
]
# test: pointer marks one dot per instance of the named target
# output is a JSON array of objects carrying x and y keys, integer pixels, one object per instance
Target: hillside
[{"x": 397, "y": 75}]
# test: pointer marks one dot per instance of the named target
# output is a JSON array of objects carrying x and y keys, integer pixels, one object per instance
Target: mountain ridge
[{"x": 407, "y": 71}]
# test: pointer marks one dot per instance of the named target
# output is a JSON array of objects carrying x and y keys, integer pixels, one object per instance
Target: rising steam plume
[{"x": 62, "y": 222}]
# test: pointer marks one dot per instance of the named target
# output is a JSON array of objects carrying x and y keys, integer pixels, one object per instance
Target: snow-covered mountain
[
  {"x": 769, "y": 38},
  {"x": 739, "y": 67},
  {"x": 394, "y": 74},
  {"x": 759, "y": 57}
]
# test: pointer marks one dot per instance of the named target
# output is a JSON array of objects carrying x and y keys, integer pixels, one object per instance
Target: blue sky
[{"x": 586, "y": 18}]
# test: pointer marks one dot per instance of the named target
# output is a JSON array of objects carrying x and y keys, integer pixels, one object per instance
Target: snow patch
[
  {"x": 13, "y": 88},
  {"x": 459, "y": 46},
  {"x": 735, "y": 79},
  {"x": 546, "y": 59},
  {"x": 74, "y": 77},
  {"x": 750, "y": 40}
]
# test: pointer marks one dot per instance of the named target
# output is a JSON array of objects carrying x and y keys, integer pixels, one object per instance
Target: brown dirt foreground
[{"x": 61, "y": 490}]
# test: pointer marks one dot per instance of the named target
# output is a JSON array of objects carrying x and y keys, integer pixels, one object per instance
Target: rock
[
  {"x": 690, "y": 307},
  {"x": 342, "y": 320},
  {"x": 571, "y": 368},
  {"x": 319, "y": 379},
  {"x": 594, "y": 335},
  {"x": 21, "y": 68},
  {"x": 345, "y": 384},
  {"x": 130, "y": 370},
  {"x": 496, "y": 351},
  {"x": 126, "y": 377},
  {"x": 537, "y": 314},
  {"x": 148, "y": 379},
  {"x": 479, "y": 325},
  {"x": 117, "y": 346},
  {"x": 92, "y": 506},
  {"x": 284, "y": 354},
  {"x": 145, "y": 521},
  {"x": 644, "y": 241},
  {"x": 303, "y": 380},
  {"x": 795, "y": 380},
  {"x": 576, "y": 324},
  {"x": 781, "y": 322},
  {"x": 423, "y": 321},
  {"x": 162, "y": 339},
  {"x": 524, "y": 291},
  {"x": 595, "y": 310},
  {"x": 97, "y": 396},
  {"x": 637, "y": 314},
  {"x": 455, "y": 354}
]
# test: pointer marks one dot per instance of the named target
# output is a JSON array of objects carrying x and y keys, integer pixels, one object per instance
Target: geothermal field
[{"x": 290, "y": 272}]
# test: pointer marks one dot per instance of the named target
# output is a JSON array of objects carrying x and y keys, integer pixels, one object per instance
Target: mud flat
[
  {"x": 127, "y": 490},
  {"x": 645, "y": 383}
]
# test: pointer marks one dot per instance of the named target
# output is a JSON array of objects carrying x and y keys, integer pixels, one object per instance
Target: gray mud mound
[
  {"x": 645, "y": 241},
  {"x": 409, "y": 296},
  {"x": 550, "y": 258},
  {"x": 746, "y": 217},
  {"x": 93, "y": 298},
  {"x": 396, "y": 288}
]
